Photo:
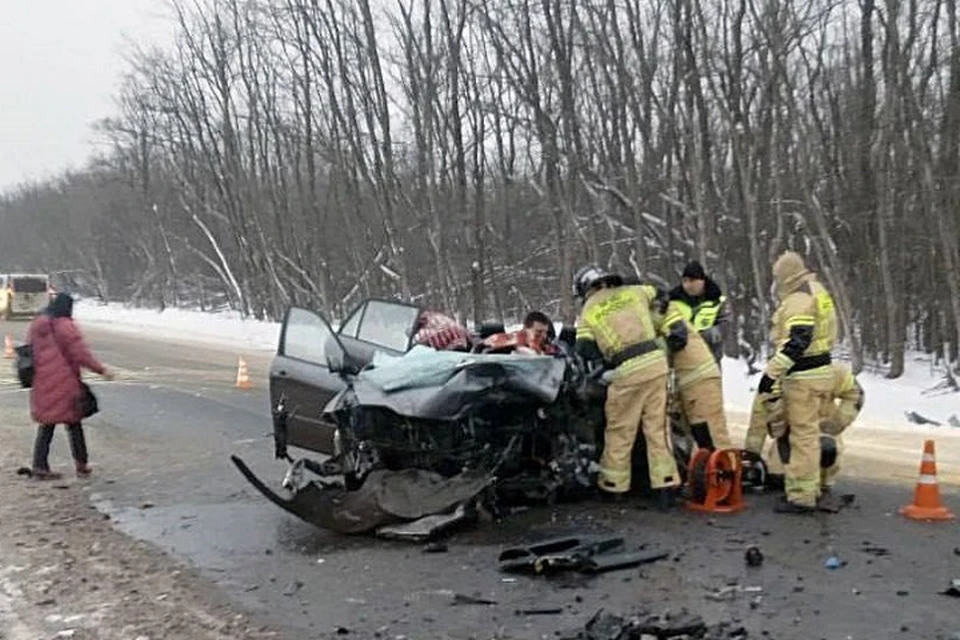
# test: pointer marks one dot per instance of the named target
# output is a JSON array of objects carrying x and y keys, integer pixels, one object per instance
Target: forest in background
[{"x": 471, "y": 154}]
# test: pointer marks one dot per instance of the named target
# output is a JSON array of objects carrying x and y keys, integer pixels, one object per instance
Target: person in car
[
  {"x": 441, "y": 332},
  {"x": 535, "y": 338},
  {"x": 59, "y": 354}
]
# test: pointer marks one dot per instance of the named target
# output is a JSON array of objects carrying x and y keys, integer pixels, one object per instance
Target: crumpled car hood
[{"x": 440, "y": 385}]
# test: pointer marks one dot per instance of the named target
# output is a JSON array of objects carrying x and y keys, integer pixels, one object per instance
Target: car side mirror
[{"x": 338, "y": 361}]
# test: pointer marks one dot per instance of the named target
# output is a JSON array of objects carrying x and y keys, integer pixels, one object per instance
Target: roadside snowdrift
[{"x": 223, "y": 329}]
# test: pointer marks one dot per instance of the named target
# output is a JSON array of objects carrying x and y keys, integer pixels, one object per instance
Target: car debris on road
[
  {"x": 586, "y": 554},
  {"x": 953, "y": 590},
  {"x": 730, "y": 592},
  {"x": 642, "y": 625}
]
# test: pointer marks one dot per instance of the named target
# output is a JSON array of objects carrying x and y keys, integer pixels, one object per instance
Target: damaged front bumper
[{"x": 385, "y": 500}]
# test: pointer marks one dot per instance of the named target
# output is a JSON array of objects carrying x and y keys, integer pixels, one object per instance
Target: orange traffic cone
[
  {"x": 243, "y": 378},
  {"x": 8, "y": 348},
  {"x": 926, "y": 498}
]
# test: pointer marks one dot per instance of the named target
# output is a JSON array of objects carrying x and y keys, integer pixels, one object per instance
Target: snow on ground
[
  {"x": 226, "y": 328},
  {"x": 886, "y": 400}
]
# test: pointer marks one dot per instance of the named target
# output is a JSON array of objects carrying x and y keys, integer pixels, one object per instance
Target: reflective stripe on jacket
[
  {"x": 695, "y": 361},
  {"x": 618, "y": 318},
  {"x": 806, "y": 305},
  {"x": 703, "y": 315}
]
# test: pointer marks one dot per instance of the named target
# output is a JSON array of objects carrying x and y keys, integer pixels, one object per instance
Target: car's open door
[
  {"x": 385, "y": 326},
  {"x": 302, "y": 381}
]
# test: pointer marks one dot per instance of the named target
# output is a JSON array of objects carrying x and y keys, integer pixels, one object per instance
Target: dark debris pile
[{"x": 644, "y": 626}]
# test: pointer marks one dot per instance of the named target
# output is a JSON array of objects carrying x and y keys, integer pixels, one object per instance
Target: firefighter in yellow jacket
[
  {"x": 698, "y": 380},
  {"x": 846, "y": 402},
  {"x": 616, "y": 329},
  {"x": 804, "y": 331}
]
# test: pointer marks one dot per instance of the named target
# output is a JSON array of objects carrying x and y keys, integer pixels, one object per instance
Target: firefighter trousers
[
  {"x": 828, "y": 472},
  {"x": 804, "y": 397},
  {"x": 703, "y": 409},
  {"x": 632, "y": 401},
  {"x": 757, "y": 429}
]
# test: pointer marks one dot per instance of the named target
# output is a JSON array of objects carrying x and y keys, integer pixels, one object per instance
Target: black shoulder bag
[{"x": 24, "y": 365}]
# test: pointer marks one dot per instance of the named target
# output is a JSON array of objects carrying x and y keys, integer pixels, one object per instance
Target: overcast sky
[{"x": 60, "y": 63}]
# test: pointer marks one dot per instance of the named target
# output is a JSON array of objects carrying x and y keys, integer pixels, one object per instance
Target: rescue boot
[
  {"x": 830, "y": 502},
  {"x": 785, "y": 506},
  {"x": 84, "y": 470},
  {"x": 668, "y": 498}
]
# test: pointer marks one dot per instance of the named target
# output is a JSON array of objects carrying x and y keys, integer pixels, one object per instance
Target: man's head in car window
[{"x": 537, "y": 327}]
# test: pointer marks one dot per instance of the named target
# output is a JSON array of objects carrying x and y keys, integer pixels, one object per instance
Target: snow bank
[
  {"x": 887, "y": 401},
  {"x": 224, "y": 328}
]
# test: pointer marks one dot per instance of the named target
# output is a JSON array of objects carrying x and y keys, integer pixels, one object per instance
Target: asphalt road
[{"x": 170, "y": 422}]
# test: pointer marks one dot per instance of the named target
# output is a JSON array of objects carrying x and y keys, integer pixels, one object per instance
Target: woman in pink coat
[{"x": 59, "y": 353}]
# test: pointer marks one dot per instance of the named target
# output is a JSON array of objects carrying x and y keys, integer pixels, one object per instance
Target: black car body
[{"x": 510, "y": 427}]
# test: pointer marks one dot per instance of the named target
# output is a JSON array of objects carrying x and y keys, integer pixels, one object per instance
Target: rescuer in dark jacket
[{"x": 702, "y": 304}]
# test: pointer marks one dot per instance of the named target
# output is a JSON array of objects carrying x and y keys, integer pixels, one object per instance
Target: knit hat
[{"x": 694, "y": 271}]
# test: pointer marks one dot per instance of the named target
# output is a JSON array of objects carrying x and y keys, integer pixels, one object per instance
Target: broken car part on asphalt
[
  {"x": 753, "y": 557},
  {"x": 954, "y": 590},
  {"x": 730, "y": 592},
  {"x": 586, "y": 554},
  {"x": 641, "y": 626}
]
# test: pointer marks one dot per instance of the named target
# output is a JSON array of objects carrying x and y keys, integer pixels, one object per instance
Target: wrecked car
[{"x": 413, "y": 439}]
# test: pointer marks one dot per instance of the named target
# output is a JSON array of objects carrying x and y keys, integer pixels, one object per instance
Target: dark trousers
[{"x": 41, "y": 446}]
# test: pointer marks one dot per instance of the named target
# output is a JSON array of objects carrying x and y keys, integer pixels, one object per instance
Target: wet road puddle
[
  {"x": 211, "y": 535},
  {"x": 293, "y": 573}
]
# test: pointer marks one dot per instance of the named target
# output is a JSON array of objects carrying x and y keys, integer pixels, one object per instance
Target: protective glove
[
  {"x": 830, "y": 427},
  {"x": 676, "y": 340},
  {"x": 776, "y": 417},
  {"x": 591, "y": 387},
  {"x": 661, "y": 301},
  {"x": 766, "y": 384}
]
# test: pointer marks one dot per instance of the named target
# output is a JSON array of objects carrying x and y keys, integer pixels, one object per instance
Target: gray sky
[{"x": 60, "y": 62}]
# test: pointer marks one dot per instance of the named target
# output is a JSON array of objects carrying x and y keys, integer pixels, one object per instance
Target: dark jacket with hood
[
  {"x": 712, "y": 298},
  {"x": 59, "y": 354}
]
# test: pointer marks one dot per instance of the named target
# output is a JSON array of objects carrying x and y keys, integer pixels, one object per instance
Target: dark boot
[
  {"x": 830, "y": 502},
  {"x": 785, "y": 506},
  {"x": 41, "y": 453},
  {"x": 668, "y": 498},
  {"x": 78, "y": 447}
]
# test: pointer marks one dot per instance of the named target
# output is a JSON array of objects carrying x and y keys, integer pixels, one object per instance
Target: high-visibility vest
[{"x": 701, "y": 316}]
